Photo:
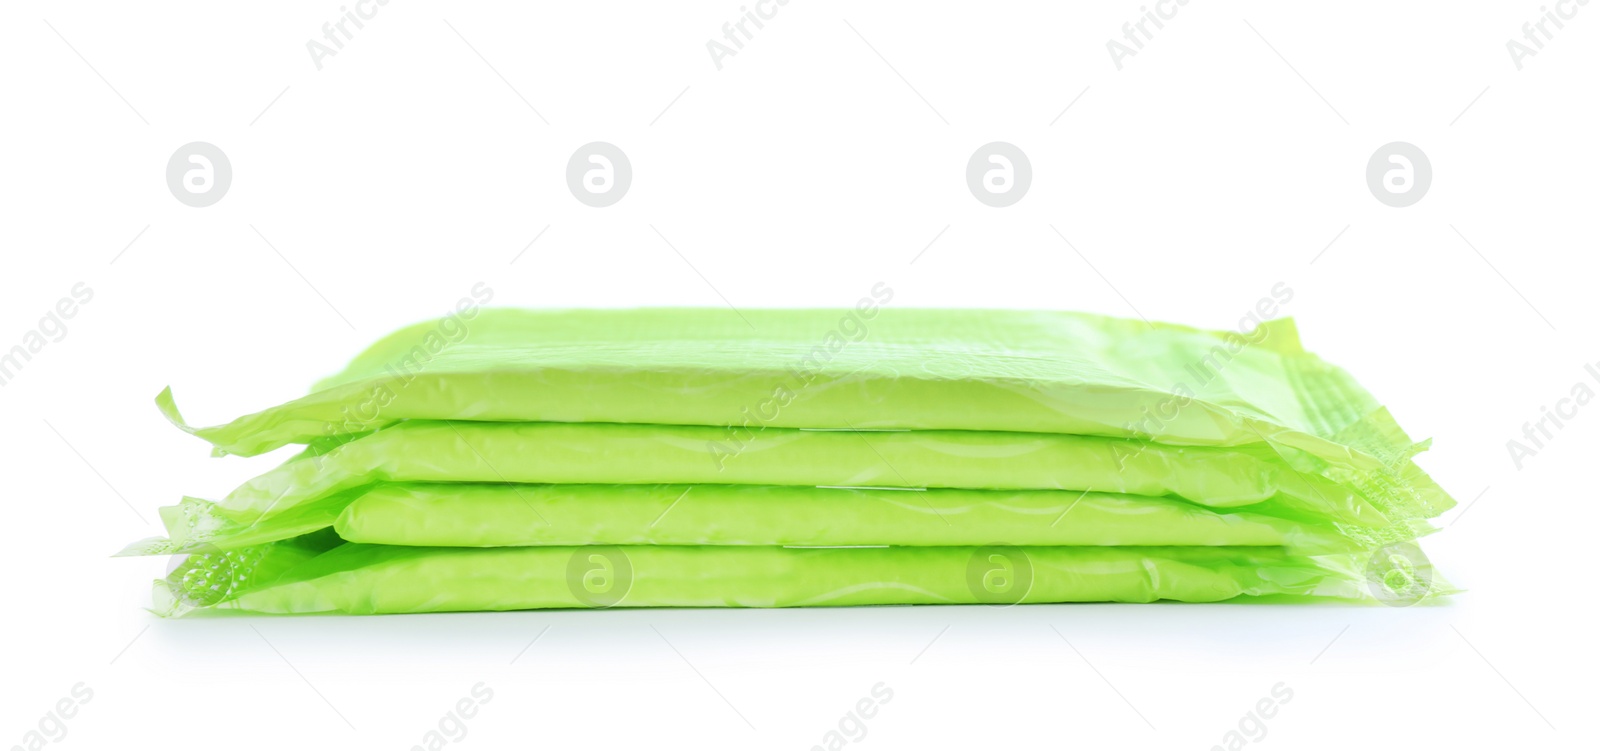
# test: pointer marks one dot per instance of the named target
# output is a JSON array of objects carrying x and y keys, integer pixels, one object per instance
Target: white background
[{"x": 410, "y": 168}]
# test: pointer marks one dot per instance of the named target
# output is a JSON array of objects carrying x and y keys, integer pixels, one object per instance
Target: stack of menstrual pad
[{"x": 503, "y": 459}]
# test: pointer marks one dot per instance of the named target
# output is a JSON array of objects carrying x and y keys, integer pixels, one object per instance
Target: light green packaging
[
  {"x": 498, "y": 459},
  {"x": 866, "y": 367},
  {"x": 1219, "y": 477},
  {"x": 511, "y": 515},
  {"x": 370, "y": 579},
  {"x": 491, "y": 515}
]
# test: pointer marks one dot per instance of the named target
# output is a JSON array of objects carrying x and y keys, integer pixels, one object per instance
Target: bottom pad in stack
[{"x": 503, "y": 459}]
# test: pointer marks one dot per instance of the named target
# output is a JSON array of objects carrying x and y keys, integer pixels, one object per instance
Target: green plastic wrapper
[
  {"x": 508, "y": 516},
  {"x": 1219, "y": 477},
  {"x": 501, "y": 515},
  {"x": 520, "y": 459},
  {"x": 369, "y": 579},
  {"x": 865, "y": 367}
]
